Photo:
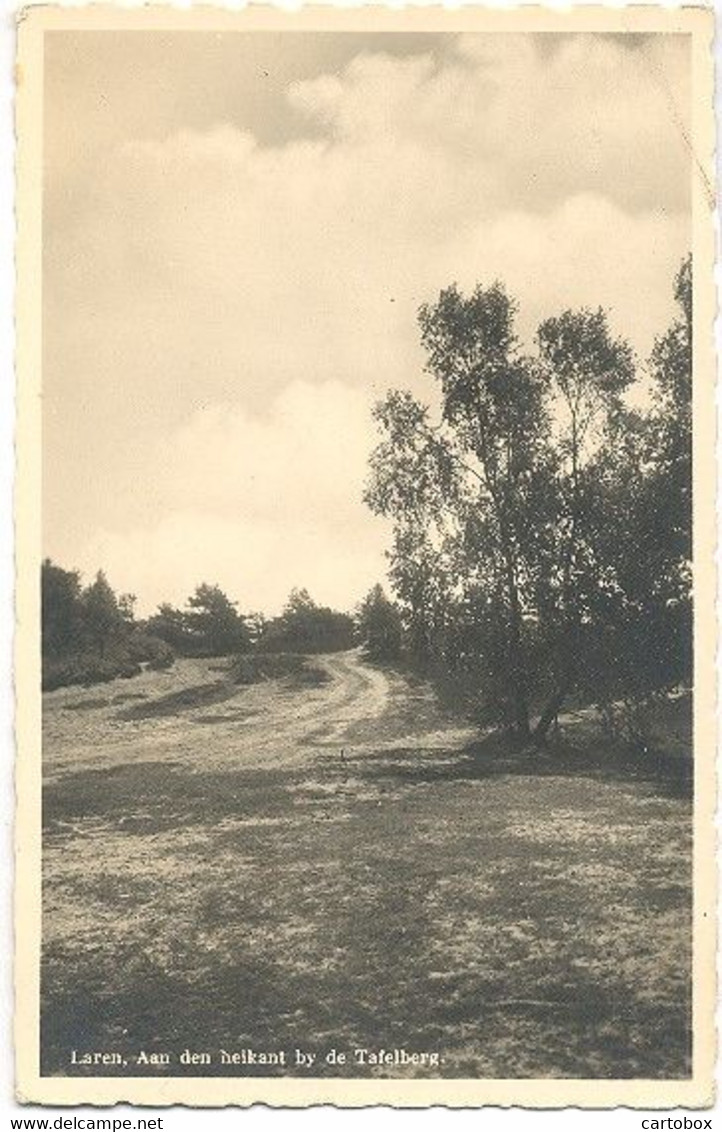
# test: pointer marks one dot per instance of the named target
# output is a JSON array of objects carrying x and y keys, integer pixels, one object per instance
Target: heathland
[{"x": 330, "y": 858}]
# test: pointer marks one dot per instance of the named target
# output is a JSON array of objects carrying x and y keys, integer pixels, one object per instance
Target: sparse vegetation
[
  {"x": 342, "y": 865},
  {"x": 251, "y": 669}
]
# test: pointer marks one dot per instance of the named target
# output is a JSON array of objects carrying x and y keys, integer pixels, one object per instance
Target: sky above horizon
[{"x": 239, "y": 229}]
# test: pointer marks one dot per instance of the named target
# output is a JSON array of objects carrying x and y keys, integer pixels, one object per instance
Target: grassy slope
[{"x": 374, "y": 884}]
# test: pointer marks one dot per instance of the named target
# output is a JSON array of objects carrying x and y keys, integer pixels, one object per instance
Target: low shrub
[
  {"x": 657, "y": 723},
  {"x": 86, "y": 669},
  {"x": 123, "y": 658},
  {"x": 144, "y": 647},
  {"x": 253, "y": 668}
]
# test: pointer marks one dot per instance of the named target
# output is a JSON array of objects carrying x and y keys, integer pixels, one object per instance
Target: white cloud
[
  {"x": 307, "y": 456},
  {"x": 589, "y": 114},
  {"x": 258, "y": 505},
  {"x": 587, "y": 252},
  {"x": 220, "y": 314},
  {"x": 255, "y": 563}
]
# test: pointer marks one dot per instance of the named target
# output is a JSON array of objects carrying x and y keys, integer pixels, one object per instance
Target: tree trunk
[
  {"x": 548, "y": 716},
  {"x": 517, "y": 660},
  {"x": 517, "y": 663}
]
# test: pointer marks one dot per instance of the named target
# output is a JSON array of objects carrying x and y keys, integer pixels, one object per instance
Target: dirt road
[
  {"x": 350, "y": 705},
  {"x": 323, "y": 861}
]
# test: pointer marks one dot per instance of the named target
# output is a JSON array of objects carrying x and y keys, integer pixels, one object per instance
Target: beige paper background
[{"x": 695, "y": 1092}]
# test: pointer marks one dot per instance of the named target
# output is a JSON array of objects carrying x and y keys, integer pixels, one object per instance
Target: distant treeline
[
  {"x": 90, "y": 634},
  {"x": 211, "y": 625}
]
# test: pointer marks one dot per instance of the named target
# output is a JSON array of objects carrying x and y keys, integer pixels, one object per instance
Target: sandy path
[
  {"x": 312, "y": 861},
  {"x": 274, "y": 723}
]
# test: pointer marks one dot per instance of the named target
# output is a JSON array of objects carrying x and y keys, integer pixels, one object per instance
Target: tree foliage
[
  {"x": 517, "y": 507},
  {"x": 304, "y": 627},
  {"x": 102, "y": 616},
  {"x": 379, "y": 626},
  {"x": 60, "y": 603},
  {"x": 210, "y": 625},
  {"x": 89, "y": 634}
]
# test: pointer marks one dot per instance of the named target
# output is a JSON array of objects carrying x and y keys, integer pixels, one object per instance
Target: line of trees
[
  {"x": 90, "y": 634},
  {"x": 211, "y": 625},
  {"x": 304, "y": 627},
  {"x": 542, "y": 525}
]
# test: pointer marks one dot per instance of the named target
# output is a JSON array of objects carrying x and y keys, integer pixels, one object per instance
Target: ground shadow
[{"x": 497, "y": 755}]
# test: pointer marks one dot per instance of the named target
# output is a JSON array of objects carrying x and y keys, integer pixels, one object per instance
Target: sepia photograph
[{"x": 365, "y": 557}]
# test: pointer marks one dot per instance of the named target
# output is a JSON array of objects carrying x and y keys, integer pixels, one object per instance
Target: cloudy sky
[{"x": 239, "y": 229}]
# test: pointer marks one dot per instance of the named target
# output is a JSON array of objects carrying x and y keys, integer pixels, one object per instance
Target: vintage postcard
[{"x": 365, "y": 543}]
